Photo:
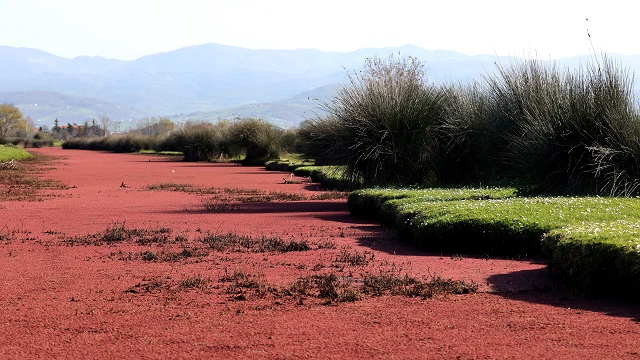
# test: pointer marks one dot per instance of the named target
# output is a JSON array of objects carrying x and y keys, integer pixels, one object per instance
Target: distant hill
[
  {"x": 46, "y": 106},
  {"x": 285, "y": 113},
  {"x": 205, "y": 82}
]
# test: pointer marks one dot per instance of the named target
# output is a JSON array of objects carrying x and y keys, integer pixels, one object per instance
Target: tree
[
  {"x": 10, "y": 116},
  {"x": 155, "y": 126},
  {"x": 83, "y": 130},
  {"x": 165, "y": 126},
  {"x": 22, "y": 128},
  {"x": 106, "y": 122},
  {"x": 144, "y": 125}
]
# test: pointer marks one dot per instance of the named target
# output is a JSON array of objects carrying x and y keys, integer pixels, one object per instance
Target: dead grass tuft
[
  {"x": 148, "y": 285},
  {"x": 117, "y": 233},
  {"x": 244, "y": 285},
  {"x": 390, "y": 283},
  {"x": 195, "y": 282},
  {"x": 241, "y": 243},
  {"x": 354, "y": 258}
]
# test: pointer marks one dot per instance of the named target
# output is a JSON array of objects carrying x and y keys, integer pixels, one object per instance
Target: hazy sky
[{"x": 128, "y": 29}]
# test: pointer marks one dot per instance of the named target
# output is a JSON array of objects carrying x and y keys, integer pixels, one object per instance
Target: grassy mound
[
  {"x": 10, "y": 152},
  {"x": 288, "y": 162},
  {"x": 592, "y": 243},
  {"x": 331, "y": 177},
  {"x": 597, "y": 258}
]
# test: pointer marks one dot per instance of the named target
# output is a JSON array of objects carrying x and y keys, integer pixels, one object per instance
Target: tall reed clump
[
  {"x": 382, "y": 125},
  {"x": 568, "y": 132},
  {"x": 472, "y": 137},
  {"x": 571, "y": 131}
]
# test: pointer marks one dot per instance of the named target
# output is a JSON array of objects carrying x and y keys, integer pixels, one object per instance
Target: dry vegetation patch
[
  {"x": 228, "y": 198},
  {"x": 22, "y": 181},
  {"x": 231, "y": 242},
  {"x": 118, "y": 233},
  {"x": 352, "y": 275}
]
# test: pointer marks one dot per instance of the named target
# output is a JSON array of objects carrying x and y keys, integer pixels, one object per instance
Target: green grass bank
[
  {"x": 11, "y": 152},
  {"x": 592, "y": 244}
]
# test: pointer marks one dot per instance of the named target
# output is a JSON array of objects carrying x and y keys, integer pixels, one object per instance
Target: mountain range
[{"x": 207, "y": 82}]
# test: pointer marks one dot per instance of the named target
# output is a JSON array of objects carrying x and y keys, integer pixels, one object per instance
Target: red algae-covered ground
[{"x": 74, "y": 286}]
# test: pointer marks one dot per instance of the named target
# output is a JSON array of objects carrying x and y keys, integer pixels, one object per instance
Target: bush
[
  {"x": 130, "y": 143},
  {"x": 85, "y": 144},
  {"x": 259, "y": 140},
  {"x": 31, "y": 142},
  {"x": 256, "y": 139},
  {"x": 200, "y": 142},
  {"x": 289, "y": 140},
  {"x": 118, "y": 143}
]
